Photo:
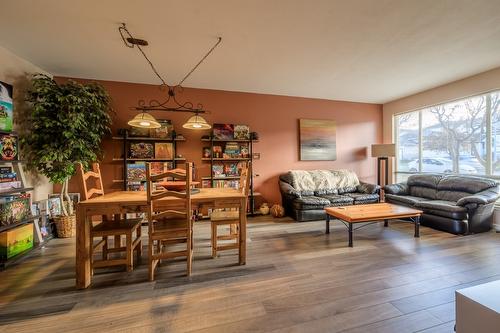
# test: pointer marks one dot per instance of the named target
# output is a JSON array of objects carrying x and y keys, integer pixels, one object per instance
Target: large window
[{"x": 458, "y": 137}]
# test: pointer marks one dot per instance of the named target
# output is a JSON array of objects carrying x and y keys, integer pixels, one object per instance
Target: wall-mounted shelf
[
  {"x": 15, "y": 190},
  {"x": 150, "y": 159},
  {"x": 213, "y": 179},
  {"x": 226, "y": 159},
  {"x": 126, "y": 140},
  {"x": 147, "y": 138}
]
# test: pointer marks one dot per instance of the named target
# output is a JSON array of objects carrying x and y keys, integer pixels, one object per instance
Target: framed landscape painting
[{"x": 317, "y": 140}]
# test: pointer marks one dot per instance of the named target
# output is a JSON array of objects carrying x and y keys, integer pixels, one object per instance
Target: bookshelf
[
  {"x": 127, "y": 140},
  {"x": 215, "y": 180}
]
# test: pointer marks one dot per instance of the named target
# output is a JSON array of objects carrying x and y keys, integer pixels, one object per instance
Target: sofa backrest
[
  {"x": 316, "y": 182},
  {"x": 447, "y": 187},
  {"x": 424, "y": 185}
]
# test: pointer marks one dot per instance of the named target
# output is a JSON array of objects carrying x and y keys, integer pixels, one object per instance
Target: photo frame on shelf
[
  {"x": 6, "y": 107},
  {"x": 241, "y": 132},
  {"x": 143, "y": 150},
  {"x": 164, "y": 150},
  {"x": 223, "y": 131}
]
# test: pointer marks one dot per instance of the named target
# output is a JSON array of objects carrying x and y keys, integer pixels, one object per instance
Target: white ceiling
[{"x": 358, "y": 50}]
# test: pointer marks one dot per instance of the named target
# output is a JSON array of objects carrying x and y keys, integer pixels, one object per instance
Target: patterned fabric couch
[{"x": 305, "y": 194}]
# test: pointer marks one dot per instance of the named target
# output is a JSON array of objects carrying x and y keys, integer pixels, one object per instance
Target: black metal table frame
[{"x": 349, "y": 225}]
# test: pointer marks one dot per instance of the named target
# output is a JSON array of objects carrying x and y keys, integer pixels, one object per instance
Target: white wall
[
  {"x": 15, "y": 70},
  {"x": 473, "y": 85}
]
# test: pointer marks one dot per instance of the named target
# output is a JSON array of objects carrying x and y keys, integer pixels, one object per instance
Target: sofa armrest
[
  {"x": 288, "y": 189},
  {"x": 398, "y": 189},
  {"x": 480, "y": 198},
  {"x": 368, "y": 188}
]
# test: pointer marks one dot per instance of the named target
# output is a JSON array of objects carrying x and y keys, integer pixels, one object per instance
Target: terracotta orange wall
[{"x": 274, "y": 118}]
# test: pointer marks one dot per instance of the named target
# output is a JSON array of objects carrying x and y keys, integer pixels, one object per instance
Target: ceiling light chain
[{"x": 148, "y": 121}]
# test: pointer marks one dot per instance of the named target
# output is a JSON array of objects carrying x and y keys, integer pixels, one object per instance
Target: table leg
[
  {"x": 350, "y": 234},
  {"x": 82, "y": 249},
  {"x": 243, "y": 232},
  {"x": 327, "y": 223},
  {"x": 417, "y": 226},
  {"x": 386, "y": 223}
]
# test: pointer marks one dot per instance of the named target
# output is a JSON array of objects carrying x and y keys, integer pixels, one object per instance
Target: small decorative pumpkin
[
  {"x": 264, "y": 209},
  {"x": 277, "y": 210}
]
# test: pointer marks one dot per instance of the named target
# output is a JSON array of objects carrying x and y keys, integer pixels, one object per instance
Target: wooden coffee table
[{"x": 372, "y": 213}]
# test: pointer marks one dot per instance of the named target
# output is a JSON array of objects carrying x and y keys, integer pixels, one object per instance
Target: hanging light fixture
[
  {"x": 194, "y": 122},
  {"x": 144, "y": 120}
]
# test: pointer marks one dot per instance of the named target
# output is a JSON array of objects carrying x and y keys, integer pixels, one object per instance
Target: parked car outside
[{"x": 439, "y": 165}]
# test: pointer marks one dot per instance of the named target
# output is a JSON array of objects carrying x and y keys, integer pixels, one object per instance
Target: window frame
[{"x": 489, "y": 172}]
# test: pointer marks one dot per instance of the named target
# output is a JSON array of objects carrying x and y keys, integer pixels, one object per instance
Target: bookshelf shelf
[
  {"x": 226, "y": 159},
  {"x": 15, "y": 190},
  {"x": 126, "y": 141},
  {"x": 216, "y": 180},
  {"x": 146, "y": 138}
]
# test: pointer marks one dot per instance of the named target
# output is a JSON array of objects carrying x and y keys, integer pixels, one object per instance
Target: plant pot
[{"x": 66, "y": 226}]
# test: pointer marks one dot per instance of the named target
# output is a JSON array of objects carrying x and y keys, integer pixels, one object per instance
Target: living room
[{"x": 343, "y": 161}]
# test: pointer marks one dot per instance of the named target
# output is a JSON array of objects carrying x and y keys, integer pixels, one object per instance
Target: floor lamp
[{"x": 382, "y": 152}]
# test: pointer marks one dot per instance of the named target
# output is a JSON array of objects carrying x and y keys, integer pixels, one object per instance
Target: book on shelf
[
  {"x": 136, "y": 171},
  {"x": 7, "y": 186},
  {"x": 141, "y": 150},
  {"x": 15, "y": 208},
  {"x": 224, "y": 183},
  {"x": 241, "y": 132},
  {"x": 164, "y": 132},
  {"x": 164, "y": 150},
  {"x": 8, "y": 147},
  {"x": 244, "y": 151},
  {"x": 8, "y": 177},
  {"x": 232, "y": 150},
  {"x": 218, "y": 170},
  {"x": 231, "y": 170},
  {"x": 223, "y": 131},
  {"x": 161, "y": 167}
]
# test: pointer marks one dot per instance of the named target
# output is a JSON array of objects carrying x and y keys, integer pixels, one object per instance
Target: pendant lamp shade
[
  {"x": 144, "y": 120},
  {"x": 197, "y": 122}
]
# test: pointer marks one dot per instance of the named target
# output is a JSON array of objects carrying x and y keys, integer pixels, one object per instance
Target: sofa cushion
[
  {"x": 310, "y": 202},
  {"x": 469, "y": 184},
  {"x": 443, "y": 208},
  {"x": 404, "y": 199},
  {"x": 338, "y": 200},
  {"x": 424, "y": 180},
  {"x": 360, "y": 198},
  {"x": 424, "y": 192},
  {"x": 347, "y": 189},
  {"x": 451, "y": 195}
]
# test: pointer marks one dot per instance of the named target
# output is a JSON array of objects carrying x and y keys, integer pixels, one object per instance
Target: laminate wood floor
[{"x": 297, "y": 279}]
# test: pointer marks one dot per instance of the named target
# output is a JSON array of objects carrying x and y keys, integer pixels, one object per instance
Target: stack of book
[{"x": 8, "y": 179}]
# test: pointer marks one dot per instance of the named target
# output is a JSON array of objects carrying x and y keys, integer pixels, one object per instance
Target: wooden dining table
[{"x": 122, "y": 202}]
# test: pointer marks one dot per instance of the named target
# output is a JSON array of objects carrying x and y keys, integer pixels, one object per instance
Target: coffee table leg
[
  {"x": 350, "y": 235},
  {"x": 386, "y": 223},
  {"x": 417, "y": 226},
  {"x": 327, "y": 223}
]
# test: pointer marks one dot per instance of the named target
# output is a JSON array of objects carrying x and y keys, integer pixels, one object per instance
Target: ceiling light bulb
[{"x": 144, "y": 123}]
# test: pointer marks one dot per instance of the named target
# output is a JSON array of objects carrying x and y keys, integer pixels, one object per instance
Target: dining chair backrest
[
  {"x": 180, "y": 208},
  {"x": 244, "y": 183},
  {"x": 90, "y": 181}
]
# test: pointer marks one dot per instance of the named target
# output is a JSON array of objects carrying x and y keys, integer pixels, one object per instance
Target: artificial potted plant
[{"x": 63, "y": 124}]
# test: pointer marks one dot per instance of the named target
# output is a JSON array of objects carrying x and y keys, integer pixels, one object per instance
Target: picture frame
[
  {"x": 164, "y": 150},
  {"x": 317, "y": 140}
]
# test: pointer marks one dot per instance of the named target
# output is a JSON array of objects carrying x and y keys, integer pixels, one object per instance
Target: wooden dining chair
[
  {"x": 91, "y": 187},
  {"x": 229, "y": 218},
  {"x": 170, "y": 219}
]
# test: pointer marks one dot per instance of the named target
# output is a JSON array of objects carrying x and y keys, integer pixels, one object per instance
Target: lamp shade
[
  {"x": 196, "y": 122},
  {"x": 384, "y": 150},
  {"x": 144, "y": 120}
]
